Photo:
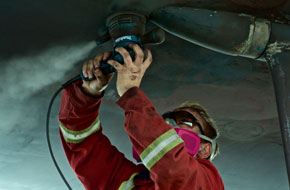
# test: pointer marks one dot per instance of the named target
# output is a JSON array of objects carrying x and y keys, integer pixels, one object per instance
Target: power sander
[
  {"x": 127, "y": 28},
  {"x": 124, "y": 28}
]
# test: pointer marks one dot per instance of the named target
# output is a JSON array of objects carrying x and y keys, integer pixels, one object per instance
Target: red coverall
[{"x": 100, "y": 166}]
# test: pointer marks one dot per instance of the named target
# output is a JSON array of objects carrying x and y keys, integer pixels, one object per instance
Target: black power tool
[{"x": 127, "y": 28}]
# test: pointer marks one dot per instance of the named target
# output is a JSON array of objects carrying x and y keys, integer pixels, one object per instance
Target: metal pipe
[
  {"x": 280, "y": 70},
  {"x": 278, "y": 56},
  {"x": 224, "y": 32}
]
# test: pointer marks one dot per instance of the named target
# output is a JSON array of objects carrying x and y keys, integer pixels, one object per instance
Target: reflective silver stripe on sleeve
[
  {"x": 128, "y": 185},
  {"x": 78, "y": 136},
  {"x": 156, "y": 150}
]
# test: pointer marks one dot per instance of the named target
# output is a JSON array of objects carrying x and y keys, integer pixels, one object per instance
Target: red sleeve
[
  {"x": 97, "y": 163},
  {"x": 162, "y": 150}
]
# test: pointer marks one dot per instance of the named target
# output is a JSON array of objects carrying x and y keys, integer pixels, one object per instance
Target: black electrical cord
[{"x": 47, "y": 127}]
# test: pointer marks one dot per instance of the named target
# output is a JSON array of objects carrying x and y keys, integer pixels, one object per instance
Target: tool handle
[{"x": 107, "y": 68}]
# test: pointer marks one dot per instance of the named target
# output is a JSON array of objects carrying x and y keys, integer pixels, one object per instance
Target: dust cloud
[{"x": 23, "y": 76}]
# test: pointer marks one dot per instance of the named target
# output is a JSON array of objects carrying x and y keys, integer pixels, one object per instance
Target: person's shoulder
[
  {"x": 211, "y": 171},
  {"x": 206, "y": 164}
]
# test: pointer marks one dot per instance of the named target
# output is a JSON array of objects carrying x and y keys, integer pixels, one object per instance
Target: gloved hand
[
  {"x": 98, "y": 81},
  {"x": 130, "y": 74}
]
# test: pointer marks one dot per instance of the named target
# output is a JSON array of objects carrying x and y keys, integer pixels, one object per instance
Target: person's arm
[
  {"x": 97, "y": 163},
  {"x": 161, "y": 149}
]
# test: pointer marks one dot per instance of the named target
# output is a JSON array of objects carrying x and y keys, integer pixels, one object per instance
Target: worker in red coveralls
[{"x": 176, "y": 150}]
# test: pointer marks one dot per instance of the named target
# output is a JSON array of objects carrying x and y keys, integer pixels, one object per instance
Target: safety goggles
[{"x": 183, "y": 117}]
